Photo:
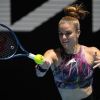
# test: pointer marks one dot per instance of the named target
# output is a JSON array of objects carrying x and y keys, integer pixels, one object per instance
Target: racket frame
[{"x": 25, "y": 53}]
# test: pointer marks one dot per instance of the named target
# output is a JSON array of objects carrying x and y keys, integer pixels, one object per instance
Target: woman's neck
[{"x": 72, "y": 50}]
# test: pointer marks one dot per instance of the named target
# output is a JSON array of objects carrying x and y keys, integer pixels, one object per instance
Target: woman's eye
[
  {"x": 68, "y": 33},
  {"x": 60, "y": 33}
]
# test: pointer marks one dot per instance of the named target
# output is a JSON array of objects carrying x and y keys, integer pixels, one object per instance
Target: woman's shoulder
[
  {"x": 53, "y": 53},
  {"x": 50, "y": 51},
  {"x": 90, "y": 49}
]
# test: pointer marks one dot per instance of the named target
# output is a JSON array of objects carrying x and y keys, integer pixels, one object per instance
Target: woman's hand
[
  {"x": 96, "y": 61},
  {"x": 41, "y": 69}
]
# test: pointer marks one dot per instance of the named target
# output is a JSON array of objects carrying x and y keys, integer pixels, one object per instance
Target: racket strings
[{"x": 8, "y": 44}]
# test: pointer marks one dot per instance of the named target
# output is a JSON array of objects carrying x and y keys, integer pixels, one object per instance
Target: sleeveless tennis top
[{"x": 74, "y": 71}]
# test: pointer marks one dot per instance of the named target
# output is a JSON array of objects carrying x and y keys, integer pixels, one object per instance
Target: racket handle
[{"x": 38, "y": 58}]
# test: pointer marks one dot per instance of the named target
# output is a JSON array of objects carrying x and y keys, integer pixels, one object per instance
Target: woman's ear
[{"x": 78, "y": 33}]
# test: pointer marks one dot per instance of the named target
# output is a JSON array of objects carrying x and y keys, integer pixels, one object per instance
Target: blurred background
[{"x": 35, "y": 23}]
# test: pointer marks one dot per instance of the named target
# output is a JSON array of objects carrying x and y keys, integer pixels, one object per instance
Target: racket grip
[{"x": 38, "y": 58}]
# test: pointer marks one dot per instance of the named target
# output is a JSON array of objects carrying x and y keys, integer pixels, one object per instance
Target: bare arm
[
  {"x": 49, "y": 57},
  {"x": 96, "y": 55}
]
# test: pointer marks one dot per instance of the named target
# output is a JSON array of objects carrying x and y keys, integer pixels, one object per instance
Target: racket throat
[{"x": 31, "y": 56}]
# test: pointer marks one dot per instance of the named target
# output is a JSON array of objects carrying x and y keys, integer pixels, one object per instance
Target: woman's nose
[{"x": 65, "y": 36}]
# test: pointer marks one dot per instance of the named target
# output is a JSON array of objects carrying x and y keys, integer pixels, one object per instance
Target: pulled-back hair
[{"x": 73, "y": 14}]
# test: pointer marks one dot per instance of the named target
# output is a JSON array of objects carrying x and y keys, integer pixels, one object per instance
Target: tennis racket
[{"x": 10, "y": 46}]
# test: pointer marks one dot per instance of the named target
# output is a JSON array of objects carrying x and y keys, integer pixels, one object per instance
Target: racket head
[{"x": 8, "y": 42}]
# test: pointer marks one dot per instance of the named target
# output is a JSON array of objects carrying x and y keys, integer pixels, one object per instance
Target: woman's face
[{"x": 68, "y": 35}]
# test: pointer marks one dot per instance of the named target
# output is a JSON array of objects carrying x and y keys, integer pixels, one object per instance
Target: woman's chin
[{"x": 65, "y": 46}]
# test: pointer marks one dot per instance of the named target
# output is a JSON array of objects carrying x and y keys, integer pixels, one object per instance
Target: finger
[
  {"x": 97, "y": 61},
  {"x": 97, "y": 65},
  {"x": 95, "y": 54},
  {"x": 98, "y": 57},
  {"x": 47, "y": 62}
]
